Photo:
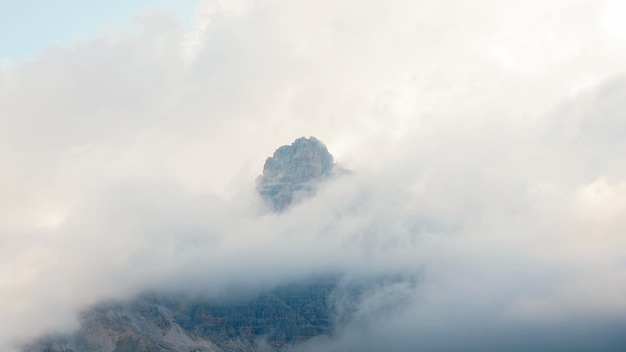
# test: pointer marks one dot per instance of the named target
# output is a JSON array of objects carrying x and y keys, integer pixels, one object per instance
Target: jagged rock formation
[
  {"x": 279, "y": 320},
  {"x": 271, "y": 321},
  {"x": 294, "y": 171}
]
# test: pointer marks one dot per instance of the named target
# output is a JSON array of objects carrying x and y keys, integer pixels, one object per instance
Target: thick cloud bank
[{"x": 487, "y": 139}]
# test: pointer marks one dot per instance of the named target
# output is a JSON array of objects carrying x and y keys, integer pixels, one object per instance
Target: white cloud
[{"x": 129, "y": 161}]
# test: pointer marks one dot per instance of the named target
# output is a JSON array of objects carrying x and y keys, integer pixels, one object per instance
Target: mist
[{"x": 486, "y": 141}]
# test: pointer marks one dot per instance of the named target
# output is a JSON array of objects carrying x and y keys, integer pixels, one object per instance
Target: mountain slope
[{"x": 269, "y": 321}]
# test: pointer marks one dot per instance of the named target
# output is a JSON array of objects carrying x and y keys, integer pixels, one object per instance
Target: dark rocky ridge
[
  {"x": 270, "y": 321},
  {"x": 277, "y": 320},
  {"x": 294, "y": 172}
]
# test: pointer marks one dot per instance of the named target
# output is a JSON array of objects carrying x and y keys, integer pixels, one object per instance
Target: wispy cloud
[{"x": 486, "y": 139}]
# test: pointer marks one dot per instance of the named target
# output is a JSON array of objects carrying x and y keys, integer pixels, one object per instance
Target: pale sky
[
  {"x": 27, "y": 27},
  {"x": 486, "y": 137}
]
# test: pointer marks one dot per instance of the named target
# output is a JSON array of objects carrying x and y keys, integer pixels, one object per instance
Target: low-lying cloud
[{"x": 486, "y": 137}]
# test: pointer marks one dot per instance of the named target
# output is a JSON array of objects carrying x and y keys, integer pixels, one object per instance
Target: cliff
[
  {"x": 269, "y": 321},
  {"x": 294, "y": 172}
]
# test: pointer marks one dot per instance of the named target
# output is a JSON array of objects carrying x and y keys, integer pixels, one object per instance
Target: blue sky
[{"x": 28, "y": 26}]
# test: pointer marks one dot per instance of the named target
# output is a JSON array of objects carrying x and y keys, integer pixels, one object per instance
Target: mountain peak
[{"x": 293, "y": 172}]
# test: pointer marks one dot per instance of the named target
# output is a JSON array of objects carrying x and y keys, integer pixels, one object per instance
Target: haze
[{"x": 486, "y": 138}]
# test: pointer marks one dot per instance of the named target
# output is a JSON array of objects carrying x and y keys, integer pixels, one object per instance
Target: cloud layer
[{"x": 487, "y": 139}]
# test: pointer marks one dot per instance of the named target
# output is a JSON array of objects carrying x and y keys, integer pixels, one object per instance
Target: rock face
[
  {"x": 277, "y": 320},
  {"x": 294, "y": 171},
  {"x": 268, "y": 322}
]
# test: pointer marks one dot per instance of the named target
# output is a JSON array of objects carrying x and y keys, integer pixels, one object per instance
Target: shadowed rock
[
  {"x": 294, "y": 171},
  {"x": 271, "y": 321}
]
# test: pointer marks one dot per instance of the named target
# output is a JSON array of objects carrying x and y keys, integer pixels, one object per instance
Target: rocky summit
[{"x": 294, "y": 172}]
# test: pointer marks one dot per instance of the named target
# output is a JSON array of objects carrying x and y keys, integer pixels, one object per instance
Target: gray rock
[
  {"x": 271, "y": 321},
  {"x": 294, "y": 172}
]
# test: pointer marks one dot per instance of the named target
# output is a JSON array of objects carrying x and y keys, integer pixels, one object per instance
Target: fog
[{"x": 486, "y": 138}]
